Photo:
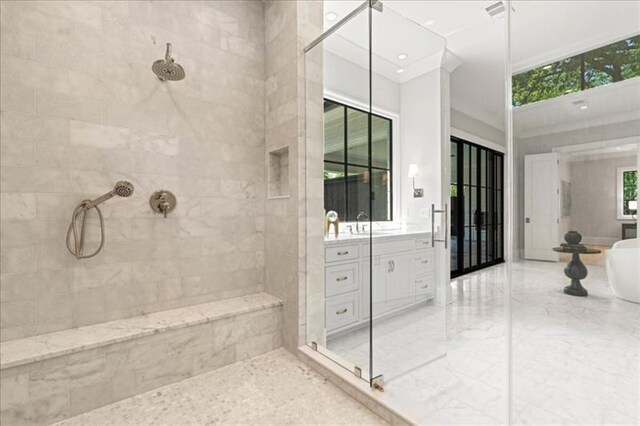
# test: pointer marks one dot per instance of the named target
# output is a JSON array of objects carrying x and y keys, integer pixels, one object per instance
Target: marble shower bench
[{"x": 53, "y": 376}]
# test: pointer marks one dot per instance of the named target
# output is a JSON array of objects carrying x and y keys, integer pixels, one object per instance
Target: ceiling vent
[
  {"x": 582, "y": 104},
  {"x": 495, "y": 10}
]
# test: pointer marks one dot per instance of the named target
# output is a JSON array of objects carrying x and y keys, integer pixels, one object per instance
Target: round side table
[{"x": 575, "y": 269}]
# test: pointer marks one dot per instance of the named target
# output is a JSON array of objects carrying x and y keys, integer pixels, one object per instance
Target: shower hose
[{"x": 77, "y": 249}]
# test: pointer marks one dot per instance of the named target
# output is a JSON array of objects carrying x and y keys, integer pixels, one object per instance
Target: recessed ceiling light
[
  {"x": 402, "y": 56},
  {"x": 618, "y": 148},
  {"x": 331, "y": 16},
  {"x": 400, "y": 70},
  {"x": 584, "y": 107},
  {"x": 428, "y": 23}
]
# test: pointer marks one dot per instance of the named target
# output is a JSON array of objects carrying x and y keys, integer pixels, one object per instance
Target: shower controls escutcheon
[{"x": 163, "y": 202}]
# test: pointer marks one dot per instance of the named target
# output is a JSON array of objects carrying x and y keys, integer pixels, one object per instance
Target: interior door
[
  {"x": 476, "y": 207},
  {"x": 541, "y": 206}
]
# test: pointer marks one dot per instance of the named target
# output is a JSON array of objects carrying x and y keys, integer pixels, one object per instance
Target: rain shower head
[{"x": 167, "y": 68}]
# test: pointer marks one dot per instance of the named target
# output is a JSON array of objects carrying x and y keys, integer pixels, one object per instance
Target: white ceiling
[
  {"x": 542, "y": 31},
  {"x": 390, "y": 32},
  {"x": 626, "y": 150}
]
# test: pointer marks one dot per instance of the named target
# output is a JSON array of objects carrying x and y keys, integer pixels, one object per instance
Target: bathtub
[{"x": 623, "y": 269}]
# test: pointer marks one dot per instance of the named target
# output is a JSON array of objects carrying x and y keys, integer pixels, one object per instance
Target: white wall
[
  {"x": 593, "y": 204},
  {"x": 564, "y": 172},
  {"x": 421, "y": 133},
  {"x": 352, "y": 81},
  {"x": 542, "y": 144},
  {"x": 416, "y": 105},
  {"x": 473, "y": 126}
]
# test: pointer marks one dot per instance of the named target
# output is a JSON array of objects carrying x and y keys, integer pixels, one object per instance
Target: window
[
  {"x": 356, "y": 163},
  {"x": 627, "y": 191},
  {"x": 608, "y": 64}
]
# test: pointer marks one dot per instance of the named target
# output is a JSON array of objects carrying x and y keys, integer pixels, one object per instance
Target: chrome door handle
[{"x": 446, "y": 225}]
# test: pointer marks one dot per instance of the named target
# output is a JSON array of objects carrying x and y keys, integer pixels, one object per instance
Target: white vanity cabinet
[{"x": 402, "y": 272}]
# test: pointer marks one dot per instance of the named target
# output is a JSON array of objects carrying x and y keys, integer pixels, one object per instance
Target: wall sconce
[{"x": 413, "y": 172}]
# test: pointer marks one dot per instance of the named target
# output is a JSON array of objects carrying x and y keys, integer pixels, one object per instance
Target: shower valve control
[{"x": 163, "y": 202}]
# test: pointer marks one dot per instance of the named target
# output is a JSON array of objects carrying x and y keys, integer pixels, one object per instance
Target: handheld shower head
[
  {"x": 75, "y": 236},
  {"x": 167, "y": 69},
  {"x": 122, "y": 189}
]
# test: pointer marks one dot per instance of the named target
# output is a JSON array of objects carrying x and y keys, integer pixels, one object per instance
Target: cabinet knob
[{"x": 341, "y": 279}]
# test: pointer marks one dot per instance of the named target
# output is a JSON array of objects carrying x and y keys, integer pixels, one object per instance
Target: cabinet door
[
  {"x": 365, "y": 288},
  {"x": 379, "y": 272},
  {"x": 400, "y": 286}
]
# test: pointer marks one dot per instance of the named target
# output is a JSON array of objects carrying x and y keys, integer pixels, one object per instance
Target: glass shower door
[
  {"x": 377, "y": 183},
  {"x": 409, "y": 250},
  {"x": 338, "y": 188}
]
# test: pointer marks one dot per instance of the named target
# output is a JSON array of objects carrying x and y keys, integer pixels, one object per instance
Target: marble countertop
[
  {"x": 18, "y": 352},
  {"x": 376, "y": 235}
]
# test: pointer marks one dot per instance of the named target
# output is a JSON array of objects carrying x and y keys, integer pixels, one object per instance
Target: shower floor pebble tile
[{"x": 274, "y": 388}]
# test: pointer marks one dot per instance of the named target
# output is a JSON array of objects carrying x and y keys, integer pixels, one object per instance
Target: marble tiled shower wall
[
  {"x": 291, "y": 25},
  {"x": 81, "y": 110}
]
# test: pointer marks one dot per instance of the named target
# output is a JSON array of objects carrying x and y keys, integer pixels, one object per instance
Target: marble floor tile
[
  {"x": 575, "y": 360},
  {"x": 275, "y": 388}
]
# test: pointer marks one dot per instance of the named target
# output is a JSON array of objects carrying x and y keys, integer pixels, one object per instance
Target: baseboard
[{"x": 518, "y": 254}]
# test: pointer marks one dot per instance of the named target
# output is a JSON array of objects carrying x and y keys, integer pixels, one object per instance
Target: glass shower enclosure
[{"x": 377, "y": 193}]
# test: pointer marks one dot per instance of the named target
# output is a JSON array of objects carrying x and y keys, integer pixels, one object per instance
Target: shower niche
[{"x": 278, "y": 173}]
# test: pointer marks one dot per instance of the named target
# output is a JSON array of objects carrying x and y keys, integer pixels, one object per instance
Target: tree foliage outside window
[
  {"x": 629, "y": 190},
  {"x": 608, "y": 64}
]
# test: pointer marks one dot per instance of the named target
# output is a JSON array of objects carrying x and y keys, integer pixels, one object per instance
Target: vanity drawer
[
  {"x": 425, "y": 285},
  {"x": 341, "y": 311},
  {"x": 339, "y": 253},
  {"x": 424, "y": 262},
  {"x": 381, "y": 248},
  {"x": 422, "y": 243},
  {"x": 339, "y": 279}
]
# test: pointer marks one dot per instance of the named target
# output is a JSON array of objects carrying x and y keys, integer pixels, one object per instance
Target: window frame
[
  {"x": 620, "y": 191},
  {"x": 581, "y": 60},
  {"x": 346, "y": 164}
]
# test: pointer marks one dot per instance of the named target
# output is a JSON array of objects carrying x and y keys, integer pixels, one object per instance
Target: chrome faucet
[{"x": 360, "y": 216}]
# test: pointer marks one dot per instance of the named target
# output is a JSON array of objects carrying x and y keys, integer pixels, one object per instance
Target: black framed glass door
[{"x": 477, "y": 200}]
